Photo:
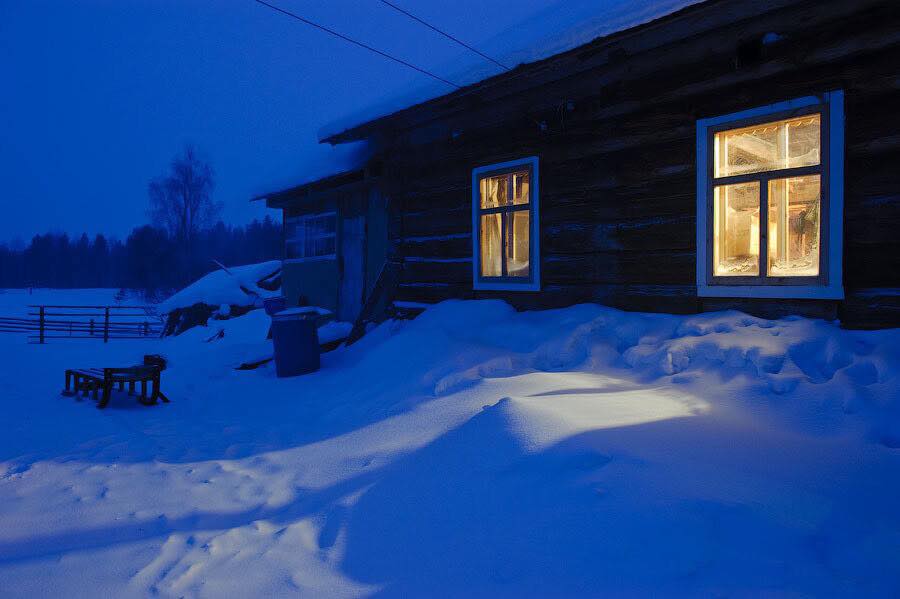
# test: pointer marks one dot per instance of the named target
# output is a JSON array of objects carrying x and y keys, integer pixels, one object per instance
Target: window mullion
[
  {"x": 764, "y": 227},
  {"x": 504, "y": 216}
]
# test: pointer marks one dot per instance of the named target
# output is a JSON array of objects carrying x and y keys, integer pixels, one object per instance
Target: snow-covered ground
[{"x": 475, "y": 451}]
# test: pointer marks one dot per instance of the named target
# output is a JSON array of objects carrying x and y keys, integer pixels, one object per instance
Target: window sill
[
  {"x": 506, "y": 286},
  {"x": 309, "y": 259},
  {"x": 772, "y": 291}
]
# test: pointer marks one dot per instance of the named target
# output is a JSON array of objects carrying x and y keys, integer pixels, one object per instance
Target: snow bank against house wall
[
  {"x": 813, "y": 370},
  {"x": 225, "y": 287}
]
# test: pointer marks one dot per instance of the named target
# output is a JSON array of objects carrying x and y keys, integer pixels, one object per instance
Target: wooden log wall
[{"x": 614, "y": 128}]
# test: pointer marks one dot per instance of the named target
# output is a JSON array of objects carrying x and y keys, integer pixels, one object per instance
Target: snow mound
[
  {"x": 834, "y": 372},
  {"x": 238, "y": 286}
]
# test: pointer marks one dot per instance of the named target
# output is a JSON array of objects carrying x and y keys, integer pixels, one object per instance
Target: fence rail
[{"x": 85, "y": 322}]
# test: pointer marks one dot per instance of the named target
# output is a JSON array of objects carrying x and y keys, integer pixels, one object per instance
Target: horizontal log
[
  {"x": 588, "y": 235},
  {"x": 649, "y": 268}
]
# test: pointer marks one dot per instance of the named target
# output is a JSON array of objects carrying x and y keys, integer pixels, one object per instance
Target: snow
[
  {"x": 562, "y": 26},
  {"x": 334, "y": 331},
  {"x": 474, "y": 451},
  {"x": 224, "y": 288},
  {"x": 322, "y": 162},
  {"x": 304, "y": 310},
  {"x": 15, "y": 302}
]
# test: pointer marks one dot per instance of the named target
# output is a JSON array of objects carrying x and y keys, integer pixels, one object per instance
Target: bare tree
[{"x": 181, "y": 201}]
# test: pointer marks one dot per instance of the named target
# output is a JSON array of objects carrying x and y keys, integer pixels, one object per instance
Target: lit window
[
  {"x": 764, "y": 206},
  {"x": 310, "y": 236},
  {"x": 505, "y": 204}
]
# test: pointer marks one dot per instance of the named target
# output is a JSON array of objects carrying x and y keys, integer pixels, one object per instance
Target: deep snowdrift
[{"x": 474, "y": 451}]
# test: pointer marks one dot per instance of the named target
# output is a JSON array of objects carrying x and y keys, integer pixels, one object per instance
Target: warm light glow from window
[
  {"x": 794, "y": 223},
  {"x": 736, "y": 217},
  {"x": 771, "y": 168},
  {"x": 504, "y": 237},
  {"x": 790, "y": 143}
]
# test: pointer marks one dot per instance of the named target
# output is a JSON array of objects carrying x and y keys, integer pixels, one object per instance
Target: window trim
[
  {"x": 305, "y": 217},
  {"x": 533, "y": 281},
  {"x": 828, "y": 284}
]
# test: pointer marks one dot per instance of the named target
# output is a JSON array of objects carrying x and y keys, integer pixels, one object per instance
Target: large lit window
[
  {"x": 770, "y": 201},
  {"x": 310, "y": 236},
  {"x": 505, "y": 223}
]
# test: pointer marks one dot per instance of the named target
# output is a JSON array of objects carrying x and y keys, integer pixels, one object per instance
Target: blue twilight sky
[{"x": 98, "y": 95}]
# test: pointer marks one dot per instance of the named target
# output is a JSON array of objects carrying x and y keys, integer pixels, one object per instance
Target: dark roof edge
[
  {"x": 278, "y": 199},
  {"x": 365, "y": 129}
]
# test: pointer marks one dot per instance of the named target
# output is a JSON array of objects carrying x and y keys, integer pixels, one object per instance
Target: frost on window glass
[
  {"x": 491, "y": 243},
  {"x": 517, "y": 247},
  {"x": 310, "y": 236},
  {"x": 504, "y": 224},
  {"x": 794, "y": 225},
  {"x": 789, "y": 143},
  {"x": 736, "y": 230}
]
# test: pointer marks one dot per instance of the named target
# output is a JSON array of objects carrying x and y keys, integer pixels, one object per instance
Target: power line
[
  {"x": 445, "y": 34},
  {"x": 360, "y": 44}
]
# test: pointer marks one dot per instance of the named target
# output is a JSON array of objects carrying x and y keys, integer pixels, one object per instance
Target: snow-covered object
[
  {"x": 304, "y": 310},
  {"x": 238, "y": 286},
  {"x": 561, "y": 26}
]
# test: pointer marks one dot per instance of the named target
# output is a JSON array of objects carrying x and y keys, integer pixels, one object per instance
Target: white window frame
[
  {"x": 296, "y": 220},
  {"x": 832, "y": 288},
  {"x": 533, "y": 282}
]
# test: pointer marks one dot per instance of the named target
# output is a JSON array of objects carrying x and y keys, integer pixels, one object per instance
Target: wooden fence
[{"x": 85, "y": 322}]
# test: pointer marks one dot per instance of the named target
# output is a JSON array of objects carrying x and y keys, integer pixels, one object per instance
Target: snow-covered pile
[
  {"x": 474, "y": 451},
  {"x": 824, "y": 369},
  {"x": 236, "y": 286}
]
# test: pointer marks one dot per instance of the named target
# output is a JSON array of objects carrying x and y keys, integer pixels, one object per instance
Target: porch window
[
  {"x": 770, "y": 196},
  {"x": 310, "y": 236},
  {"x": 505, "y": 226}
]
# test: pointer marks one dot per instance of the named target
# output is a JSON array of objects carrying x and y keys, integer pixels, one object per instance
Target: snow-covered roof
[
  {"x": 220, "y": 287},
  {"x": 562, "y": 26},
  {"x": 326, "y": 161}
]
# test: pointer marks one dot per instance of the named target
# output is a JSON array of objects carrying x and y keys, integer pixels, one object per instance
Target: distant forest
[
  {"x": 185, "y": 240},
  {"x": 149, "y": 260}
]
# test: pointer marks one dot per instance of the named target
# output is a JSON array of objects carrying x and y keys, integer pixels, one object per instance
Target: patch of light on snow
[{"x": 562, "y": 405}]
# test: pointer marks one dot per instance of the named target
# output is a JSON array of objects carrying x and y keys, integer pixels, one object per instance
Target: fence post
[
  {"x": 41, "y": 335},
  {"x": 146, "y": 328},
  {"x": 91, "y": 333},
  {"x": 106, "y": 325}
]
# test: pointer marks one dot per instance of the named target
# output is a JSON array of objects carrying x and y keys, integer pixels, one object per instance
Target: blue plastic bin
[{"x": 296, "y": 340}]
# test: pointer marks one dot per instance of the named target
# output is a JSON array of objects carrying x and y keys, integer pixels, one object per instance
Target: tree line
[
  {"x": 148, "y": 260},
  {"x": 185, "y": 240}
]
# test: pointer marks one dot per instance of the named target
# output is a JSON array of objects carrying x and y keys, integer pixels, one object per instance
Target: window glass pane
[
  {"x": 521, "y": 184},
  {"x": 794, "y": 224},
  {"x": 491, "y": 252},
  {"x": 290, "y": 228},
  {"x": 517, "y": 235},
  {"x": 790, "y": 143},
  {"x": 494, "y": 191},
  {"x": 736, "y": 230}
]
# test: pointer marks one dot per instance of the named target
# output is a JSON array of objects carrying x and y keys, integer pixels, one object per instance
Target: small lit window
[
  {"x": 505, "y": 239},
  {"x": 310, "y": 236},
  {"x": 766, "y": 213}
]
